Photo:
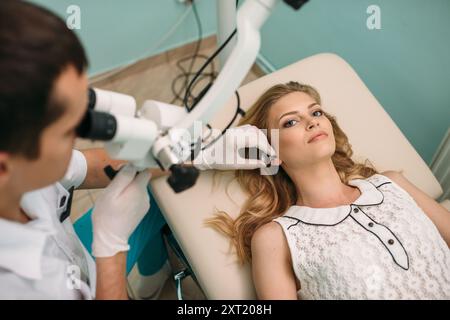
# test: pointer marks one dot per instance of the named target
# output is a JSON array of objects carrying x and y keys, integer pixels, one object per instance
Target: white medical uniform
[{"x": 44, "y": 259}]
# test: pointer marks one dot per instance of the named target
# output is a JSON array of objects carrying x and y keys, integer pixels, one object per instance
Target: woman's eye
[
  {"x": 290, "y": 123},
  {"x": 318, "y": 111}
]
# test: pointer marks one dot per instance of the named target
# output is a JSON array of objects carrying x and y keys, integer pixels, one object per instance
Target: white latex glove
[
  {"x": 228, "y": 153},
  {"x": 118, "y": 211}
]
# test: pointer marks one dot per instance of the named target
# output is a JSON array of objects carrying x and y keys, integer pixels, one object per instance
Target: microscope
[{"x": 164, "y": 135}]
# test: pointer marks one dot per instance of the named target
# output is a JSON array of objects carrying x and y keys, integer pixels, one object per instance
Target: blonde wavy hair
[{"x": 271, "y": 195}]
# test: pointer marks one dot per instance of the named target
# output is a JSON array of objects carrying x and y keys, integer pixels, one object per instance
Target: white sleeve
[
  {"x": 76, "y": 173},
  {"x": 15, "y": 287}
]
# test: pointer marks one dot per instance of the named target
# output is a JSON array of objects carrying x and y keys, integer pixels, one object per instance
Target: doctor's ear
[
  {"x": 4, "y": 174},
  {"x": 3, "y": 164}
]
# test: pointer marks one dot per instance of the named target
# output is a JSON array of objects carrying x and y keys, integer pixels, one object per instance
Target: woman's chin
[
  {"x": 320, "y": 150},
  {"x": 315, "y": 155},
  {"x": 304, "y": 163}
]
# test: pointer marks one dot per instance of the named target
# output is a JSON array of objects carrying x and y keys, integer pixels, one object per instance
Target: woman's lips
[{"x": 319, "y": 137}]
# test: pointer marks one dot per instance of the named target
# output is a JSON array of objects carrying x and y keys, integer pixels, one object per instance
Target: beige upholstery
[
  {"x": 446, "y": 204},
  {"x": 372, "y": 134}
]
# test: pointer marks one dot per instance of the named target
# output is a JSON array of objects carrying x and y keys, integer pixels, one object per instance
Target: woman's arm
[
  {"x": 271, "y": 264},
  {"x": 437, "y": 213}
]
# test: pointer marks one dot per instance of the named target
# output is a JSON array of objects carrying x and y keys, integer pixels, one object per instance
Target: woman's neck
[{"x": 319, "y": 186}]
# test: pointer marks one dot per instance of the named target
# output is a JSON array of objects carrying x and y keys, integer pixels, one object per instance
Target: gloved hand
[
  {"x": 228, "y": 152},
  {"x": 118, "y": 211}
]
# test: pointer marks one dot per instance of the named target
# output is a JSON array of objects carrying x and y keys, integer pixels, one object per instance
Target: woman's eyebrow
[{"x": 295, "y": 111}]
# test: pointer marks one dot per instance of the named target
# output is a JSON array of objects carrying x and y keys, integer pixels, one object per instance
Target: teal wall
[
  {"x": 118, "y": 32},
  {"x": 406, "y": 64}
]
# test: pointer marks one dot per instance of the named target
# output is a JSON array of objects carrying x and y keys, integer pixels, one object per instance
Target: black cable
[
  {"x": 200, "y": 75},
  {"x": 180, "y": 91},
  {"x": 188, "y": 93},
  {"x": 189, "y": 89},
  {"x": 239, "y": 111},
  {"x": 210, "y": 59},
  {"x": 199, "y": 41},
  {"x": 197, "y": 77}
]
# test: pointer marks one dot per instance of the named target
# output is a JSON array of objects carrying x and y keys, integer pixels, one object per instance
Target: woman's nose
[{"x": 312, "y": 123}]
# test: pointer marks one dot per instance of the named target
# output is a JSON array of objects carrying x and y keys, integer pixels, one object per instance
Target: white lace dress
[{"x": 382, "y": 246}]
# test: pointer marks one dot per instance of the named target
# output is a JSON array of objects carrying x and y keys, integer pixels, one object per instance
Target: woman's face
[{"x": 299, "y": 120}]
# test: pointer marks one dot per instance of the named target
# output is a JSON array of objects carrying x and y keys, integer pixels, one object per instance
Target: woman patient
[{"x": 325, "y": 227}]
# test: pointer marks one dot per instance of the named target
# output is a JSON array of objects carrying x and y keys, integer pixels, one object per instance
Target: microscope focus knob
[{"x": 182, "y": 177}]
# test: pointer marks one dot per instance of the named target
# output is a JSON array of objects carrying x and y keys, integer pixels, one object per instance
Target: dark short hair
[{"x": 35, "y": 47}]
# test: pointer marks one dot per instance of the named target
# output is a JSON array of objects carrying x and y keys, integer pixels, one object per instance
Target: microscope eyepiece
[
  {"x": 92, "y": 99},
  {"x": 97, "y": 126}
]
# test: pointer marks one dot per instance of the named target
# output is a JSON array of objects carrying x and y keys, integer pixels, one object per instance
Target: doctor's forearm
[
  {"x": 111, "y": 277},
  {"x": 97, "y": 159}
]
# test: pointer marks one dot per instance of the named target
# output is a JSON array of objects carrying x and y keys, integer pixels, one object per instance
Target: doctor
[{"x": 43, "y": 97}]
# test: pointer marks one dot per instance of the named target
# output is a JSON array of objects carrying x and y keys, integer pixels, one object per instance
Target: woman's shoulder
[
  {"x": 384, "y": 177},
  {"x": 271, "y": 231},
  {"x": 391, "y": 174},
  {"x": 269, "y": 240}
]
